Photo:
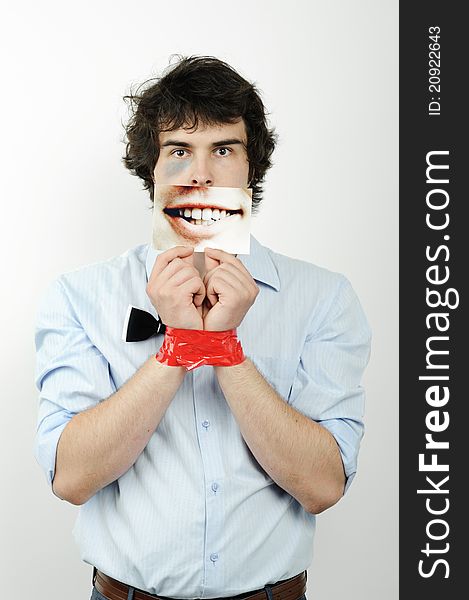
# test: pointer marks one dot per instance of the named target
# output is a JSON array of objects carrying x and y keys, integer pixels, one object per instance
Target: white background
[{"x": 328, "y": 73}]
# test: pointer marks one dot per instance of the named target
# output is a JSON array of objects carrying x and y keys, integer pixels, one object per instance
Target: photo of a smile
[{"x": 198, "y": 216}]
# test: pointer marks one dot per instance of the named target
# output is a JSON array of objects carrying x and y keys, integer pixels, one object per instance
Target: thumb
[
  {"x": 210, "y": 263},
  {"x": 199, "y": 295}
]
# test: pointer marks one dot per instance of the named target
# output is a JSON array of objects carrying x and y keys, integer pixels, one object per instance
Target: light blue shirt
[{"x": 196, "y": 516}]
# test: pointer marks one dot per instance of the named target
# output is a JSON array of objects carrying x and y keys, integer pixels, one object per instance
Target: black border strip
[{"x": 433, "y": 256}]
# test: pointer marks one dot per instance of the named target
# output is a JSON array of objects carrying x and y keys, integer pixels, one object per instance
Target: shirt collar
[{"x": 258, "y": 263}]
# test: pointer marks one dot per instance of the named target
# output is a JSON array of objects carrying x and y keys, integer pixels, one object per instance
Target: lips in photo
[{"x": 198, "y": 216}]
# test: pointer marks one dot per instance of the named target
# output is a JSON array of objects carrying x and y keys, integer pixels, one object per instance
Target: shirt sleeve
[
  {"x": 71, "y": 373},
  {"x": 327, "y": 387}
]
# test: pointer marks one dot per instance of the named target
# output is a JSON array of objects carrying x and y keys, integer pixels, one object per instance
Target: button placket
[{"x": 208, "y": 411}]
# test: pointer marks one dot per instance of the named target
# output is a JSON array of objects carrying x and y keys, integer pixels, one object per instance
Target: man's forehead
[{"x": 206, "y": 133}]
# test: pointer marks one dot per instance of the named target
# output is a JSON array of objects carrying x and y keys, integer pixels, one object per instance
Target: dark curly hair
[{"x": 197, "y": 89}]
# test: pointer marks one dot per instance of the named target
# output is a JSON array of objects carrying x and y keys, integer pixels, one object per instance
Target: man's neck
[{"x": 199, "y": 263}]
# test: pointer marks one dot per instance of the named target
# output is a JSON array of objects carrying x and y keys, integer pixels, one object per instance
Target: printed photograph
[{"x": 201, "y": 216}]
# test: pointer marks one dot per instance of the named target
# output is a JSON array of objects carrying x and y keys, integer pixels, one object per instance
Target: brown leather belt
[{"x": 288, "y": 589}]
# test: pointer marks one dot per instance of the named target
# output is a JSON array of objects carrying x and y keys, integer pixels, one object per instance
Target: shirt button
[
  {"x": 215, "y": 486},
  {"x": 205, "y": 423},
  {"x": 214, "y": 556}
]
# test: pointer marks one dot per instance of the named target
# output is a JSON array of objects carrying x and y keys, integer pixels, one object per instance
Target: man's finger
[
  {"x": 199, "y": 296},
  {"x": 244, "y": 277},
  {"x": 210, "y": 262},
  {"x": 195, "y": 287},
  {"x": 211, "y": 296},
  {"x": 220, "y": 255},
  {"x": 175, "y": 266},
  {"x": 180, "y": 276},
  {"x": 167, "y": 256},
  {"x": 207, "y": 276},
  {"x": 221, "y": 283},
  {"x": 225, "y": 257}
]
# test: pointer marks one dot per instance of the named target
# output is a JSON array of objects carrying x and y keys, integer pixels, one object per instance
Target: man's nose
[{"x": 200, "y": 173}]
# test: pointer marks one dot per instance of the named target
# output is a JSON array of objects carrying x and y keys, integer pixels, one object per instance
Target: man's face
[{"x": 209, "y": 157}]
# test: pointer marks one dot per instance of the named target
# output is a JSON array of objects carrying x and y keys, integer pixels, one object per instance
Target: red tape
[{"x": 192, "y": 348}]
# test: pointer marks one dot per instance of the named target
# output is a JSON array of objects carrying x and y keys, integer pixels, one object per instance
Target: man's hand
[
  {"x": 230, "y": 291},
  {"x": 176, "y": 289}
]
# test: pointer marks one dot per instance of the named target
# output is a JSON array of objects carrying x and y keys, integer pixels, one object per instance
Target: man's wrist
[
  {"x": 192, "y": 348},
  {"x": 161, "y": 366},
  {"x": 241, "y": 366}
]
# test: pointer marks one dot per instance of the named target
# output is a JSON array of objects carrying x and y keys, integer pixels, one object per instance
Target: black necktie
[{"x": 140, "y": 325}]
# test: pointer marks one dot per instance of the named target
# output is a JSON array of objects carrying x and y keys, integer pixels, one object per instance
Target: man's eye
[
  {"x": 180, "y": 153},
  {"x": 224, "y": 151}
]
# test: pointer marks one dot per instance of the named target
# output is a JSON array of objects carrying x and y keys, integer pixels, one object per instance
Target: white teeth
[{"x": 206, "y": 216}]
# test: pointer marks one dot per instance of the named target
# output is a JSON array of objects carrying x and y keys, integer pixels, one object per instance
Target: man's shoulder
[
  {"x": 316, "y": 290},
  {"x": 119, "y": 268},
  {"x": 132, "y": 258},
  {"x": 296, "y": 272}
]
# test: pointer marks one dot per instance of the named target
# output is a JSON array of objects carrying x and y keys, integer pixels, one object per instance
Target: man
[{"x": 200, "y": 483}]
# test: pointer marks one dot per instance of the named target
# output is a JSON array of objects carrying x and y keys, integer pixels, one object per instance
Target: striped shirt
[{"x": 196, "y": 516}]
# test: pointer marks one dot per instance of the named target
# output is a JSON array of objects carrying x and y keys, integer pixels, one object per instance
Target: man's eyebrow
[{"x": 229, "y": 142}]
